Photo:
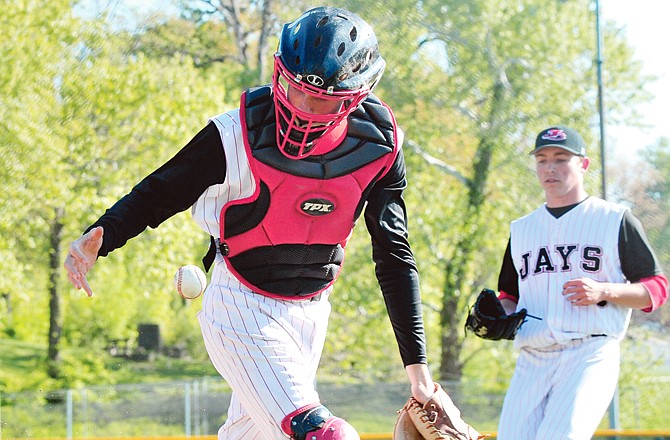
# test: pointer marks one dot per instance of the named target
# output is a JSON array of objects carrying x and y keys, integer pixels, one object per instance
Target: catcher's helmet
[{"x": 329, "y": 54}]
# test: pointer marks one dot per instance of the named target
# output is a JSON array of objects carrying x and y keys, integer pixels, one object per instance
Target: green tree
[
  {"x": 241, "y": 34},
  {"x": 646, "y": 188},
  {"x": 472, "y": 83},
  {"x": 83, "y": 122},
  {"x": 658, "y": 191},
  {"x": 34, "y": 37},
  {"x": 88, "y": 110},
  {"x": 125, "y": 116}
]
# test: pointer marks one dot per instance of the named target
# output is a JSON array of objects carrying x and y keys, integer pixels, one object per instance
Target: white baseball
[{"x": 190, "y": 281}]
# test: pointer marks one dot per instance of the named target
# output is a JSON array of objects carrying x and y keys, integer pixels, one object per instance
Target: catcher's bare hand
[{"x": 82, "y": 255}]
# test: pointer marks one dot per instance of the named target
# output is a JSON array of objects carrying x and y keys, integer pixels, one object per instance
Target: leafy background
[{"x": 92, "y": 99}]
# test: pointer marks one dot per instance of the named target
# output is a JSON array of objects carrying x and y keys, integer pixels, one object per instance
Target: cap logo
[
  {"x": 315, "y": 80},
  {"x": 555, "y": 134}
]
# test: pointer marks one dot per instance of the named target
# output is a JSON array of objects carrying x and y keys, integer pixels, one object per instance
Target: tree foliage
[
  {"x": 87, "y": 109},
  {"x": 475, "y": 82},
  {"x": 85, "y": 121},
  {"x": 643, "y": 184}
]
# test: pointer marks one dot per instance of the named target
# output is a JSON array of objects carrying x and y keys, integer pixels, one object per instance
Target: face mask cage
[{"x": 297, "y": 130}]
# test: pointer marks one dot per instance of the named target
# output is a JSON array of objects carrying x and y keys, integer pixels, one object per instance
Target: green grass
[
  {"x": 23, "y": 367},
  {"x": 19, "y": 356}
]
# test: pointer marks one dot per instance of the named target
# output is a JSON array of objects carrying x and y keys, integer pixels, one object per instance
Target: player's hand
[
  {"x": 81, "y": 257},
  {"x": 585, "y": 292}
]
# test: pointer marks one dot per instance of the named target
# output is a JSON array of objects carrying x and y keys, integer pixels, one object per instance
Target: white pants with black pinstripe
[
  {"x": 560, "y": 392},
  {"x": 267, "y": 350}
]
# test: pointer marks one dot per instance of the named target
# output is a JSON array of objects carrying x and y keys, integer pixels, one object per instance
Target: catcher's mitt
[
  {"x": 488, "y": 320},
  {"x": 437, "y": 419}
]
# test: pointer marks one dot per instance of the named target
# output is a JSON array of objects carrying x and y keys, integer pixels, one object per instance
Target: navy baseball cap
[{"x": 562, "y": 137}]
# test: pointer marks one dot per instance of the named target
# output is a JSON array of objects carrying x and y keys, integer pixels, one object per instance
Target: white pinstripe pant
[
  {"x": 560, "y": 392},
  {"x": 267, "y": 350}
]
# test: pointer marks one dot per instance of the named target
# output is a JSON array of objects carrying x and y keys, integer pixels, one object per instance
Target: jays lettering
[{"x": 561, "y": 259}]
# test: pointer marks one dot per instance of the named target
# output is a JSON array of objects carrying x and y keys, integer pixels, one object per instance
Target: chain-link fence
[{"x": 198, "y": 407}]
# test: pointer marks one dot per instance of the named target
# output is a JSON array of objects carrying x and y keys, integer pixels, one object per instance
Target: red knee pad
[
  {"x": 335, "y": 428},
  {"x": 315, "y": 422}
]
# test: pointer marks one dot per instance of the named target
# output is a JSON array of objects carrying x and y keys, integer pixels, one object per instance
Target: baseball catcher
[
  {"x": 488, "y": 320},
  {"x": 437, "y": 419}
]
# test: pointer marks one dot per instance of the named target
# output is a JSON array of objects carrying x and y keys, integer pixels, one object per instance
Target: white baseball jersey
[
  {"x": 268, "y": 350},
  {"x": 568, "y": 362},
  {"x": 549, "y": 251},
  {"x": 239, "y": 182}
]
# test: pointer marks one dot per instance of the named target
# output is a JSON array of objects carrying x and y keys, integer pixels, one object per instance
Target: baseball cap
[{"x": 562, "y": 137}]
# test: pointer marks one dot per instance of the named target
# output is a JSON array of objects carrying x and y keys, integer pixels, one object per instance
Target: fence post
[
  {"x": 84, "y": 411},
  {"x": 187, "y": 409},
  {"x": 205, "y": 415},
  {"x": 68, "y": 412},
  {"x": 614, "y": 412},
  {"x": 196, "y": 407}
]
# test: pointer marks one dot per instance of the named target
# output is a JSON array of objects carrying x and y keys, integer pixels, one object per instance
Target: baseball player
[
  {"x": 278, "y": 184},
  {"x": 577, "y": 265}
]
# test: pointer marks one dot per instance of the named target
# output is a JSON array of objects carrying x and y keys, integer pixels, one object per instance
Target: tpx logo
[{"x": 317, "y": 207}]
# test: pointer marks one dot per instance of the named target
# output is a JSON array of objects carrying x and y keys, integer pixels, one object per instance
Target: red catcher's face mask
[{"x": 305, "y": 113}]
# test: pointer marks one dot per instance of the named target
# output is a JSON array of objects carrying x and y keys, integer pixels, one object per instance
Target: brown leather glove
[{"x": 437, "y": 419}]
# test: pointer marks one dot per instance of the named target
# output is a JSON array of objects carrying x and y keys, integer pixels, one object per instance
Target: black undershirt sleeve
[
  {"x": 395, "y": 267},
  {"x": 637, "y": 257},
  {"x": 170, "y": 189},
  {"x": 508, "y": 280}
]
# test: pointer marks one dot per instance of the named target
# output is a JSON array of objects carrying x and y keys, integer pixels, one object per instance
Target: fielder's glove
[
  {"x": 437, "y": 419},
  {"x": 488, "y": 320}
]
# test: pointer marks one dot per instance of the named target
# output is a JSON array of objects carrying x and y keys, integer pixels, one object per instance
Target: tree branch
[{"x": 441, "y": 165}]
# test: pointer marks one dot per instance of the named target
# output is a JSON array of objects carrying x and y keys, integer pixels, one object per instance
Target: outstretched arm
[{"x": 170, "y": 189}]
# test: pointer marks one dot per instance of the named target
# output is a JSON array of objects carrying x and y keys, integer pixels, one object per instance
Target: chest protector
[{"x": 288, "y": 238}]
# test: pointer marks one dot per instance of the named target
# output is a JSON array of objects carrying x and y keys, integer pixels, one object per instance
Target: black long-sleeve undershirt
[
  {"x": 177, "y": 184},
  {"x": 170, "y": 189}
]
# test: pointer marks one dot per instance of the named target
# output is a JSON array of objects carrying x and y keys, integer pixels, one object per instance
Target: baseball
[{"x": 190, "y": 281}]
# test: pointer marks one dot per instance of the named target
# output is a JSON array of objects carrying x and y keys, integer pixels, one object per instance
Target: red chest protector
[{"x": 288, "y": 238}]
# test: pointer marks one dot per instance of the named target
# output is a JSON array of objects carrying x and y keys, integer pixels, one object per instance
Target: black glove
[{"x": 488, "y": 320}]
